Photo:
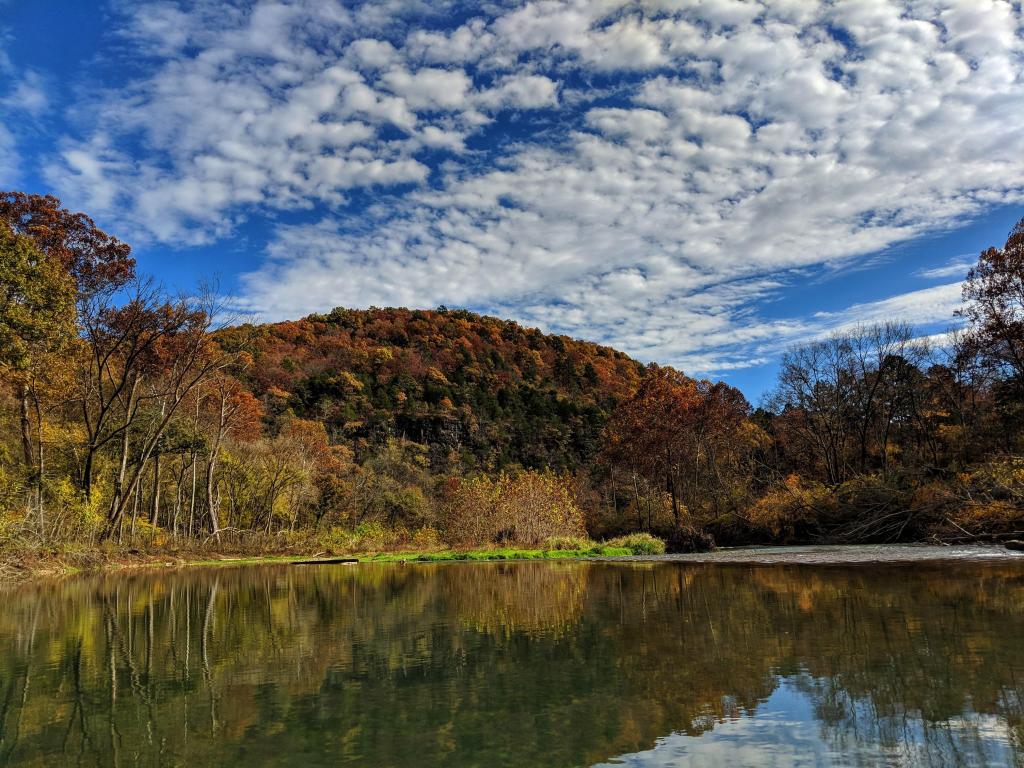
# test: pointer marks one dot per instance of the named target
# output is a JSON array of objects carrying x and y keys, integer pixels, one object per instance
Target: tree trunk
[
  {"x": 639, "y": 509},
  {"x": 26, "y": 427},
  {"x": 675, "y": 501},
  {"x": 115, "y": 515},
  {"x": 90, "y": 452},
  {"x": 154, "y": 513},
  {"x": 40, "y": 463},
  {"x": 135, "y": 508},
  {"x": 192, "y": 499}
]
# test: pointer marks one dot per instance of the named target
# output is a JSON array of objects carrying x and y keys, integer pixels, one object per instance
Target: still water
[{"x": 517, "y": 664}]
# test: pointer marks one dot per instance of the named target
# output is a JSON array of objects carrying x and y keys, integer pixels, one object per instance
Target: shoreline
[
  {"x": 845, "y": 554},
  {"x": 18, "y": 569},
  {"x": 13, "y": 571}
]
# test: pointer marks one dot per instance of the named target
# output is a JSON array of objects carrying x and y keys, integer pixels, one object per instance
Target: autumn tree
[
  {"x": 83, "y": 260},
  {"x": 994, "y": 307},
  {"x": 36, "y": 327},
  {"x": 230, "y": 411},
  {"x": 96, "y": 261},
  {"x": 148, "y": 352},
  {"x": 840, "y": 401},
  {"x": 676, "y": 433}
]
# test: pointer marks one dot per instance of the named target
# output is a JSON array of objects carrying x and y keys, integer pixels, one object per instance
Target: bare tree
[{"x": 150, "y": 349}]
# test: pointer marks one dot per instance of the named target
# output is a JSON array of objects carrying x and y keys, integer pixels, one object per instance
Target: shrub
[
  {"x": 688, "y": 538},
  {"x": 426, "y": 537},
  {"x": 525, "y": 509},
  {"x": 534, "y": 506},
  {"x": 792, "y": 509},
  {"x": 639, "y": 544},
  {"x": 369, "y": 537},
  {"x": 468, "y": 511}
]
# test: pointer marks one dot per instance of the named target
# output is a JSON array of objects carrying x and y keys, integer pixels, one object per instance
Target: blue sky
[{"x": 699, "y": 183}]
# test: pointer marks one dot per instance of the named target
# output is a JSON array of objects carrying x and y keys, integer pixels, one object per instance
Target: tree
[
  {"x": 78, "y": 254},
  {"x": 37, "y": 323},
  {"x": 674, "y": 433},
  {"x": 95, "y": 261},
  {"x": 229, "y": 410},
  {"x": 994, "y": 297},
  {"x": 150, "y": 350}
]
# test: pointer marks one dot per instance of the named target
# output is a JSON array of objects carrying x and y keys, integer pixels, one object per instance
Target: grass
[
  {"x": 20, "y": 564},
  {"x": 248, "y": 560},
  {"x": 479, "y": 555}
]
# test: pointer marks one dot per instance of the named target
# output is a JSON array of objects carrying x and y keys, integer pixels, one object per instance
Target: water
[{"x": 518, "y": 664}]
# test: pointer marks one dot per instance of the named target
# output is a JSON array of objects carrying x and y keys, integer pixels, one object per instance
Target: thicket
[{"x": 129, "y": 420}]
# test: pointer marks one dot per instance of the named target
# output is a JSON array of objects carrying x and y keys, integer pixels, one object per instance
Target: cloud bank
[{"x": 642, "y": 174}]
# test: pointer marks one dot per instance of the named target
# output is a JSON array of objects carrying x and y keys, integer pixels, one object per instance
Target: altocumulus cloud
[{"x": 636, "y": 173}]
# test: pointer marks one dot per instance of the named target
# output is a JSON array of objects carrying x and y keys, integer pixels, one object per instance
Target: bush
[
  {"x": 367, "y": 537},
  {"x": 793, "y": 510},
  {"x": 426, "y": 537},
  {"x": 534, "y": 506},
  {"x": 687, "y": 538},
  {"x": 525, "y": 509},
  {"x": 467, "y": 511},
  {"x": 639, "y": 544}
]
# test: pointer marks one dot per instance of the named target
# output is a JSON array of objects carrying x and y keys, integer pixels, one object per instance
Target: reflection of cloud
[
  {"x": 782, "y": 732},
  {"x": 785, "y": 732}
]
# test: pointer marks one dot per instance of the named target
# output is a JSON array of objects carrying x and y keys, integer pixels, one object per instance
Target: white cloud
[
  {"x": 632, "y": 124},
  {"x": 373, "y": 54},
  {"x": 521, "y": 91},
  {"x": 956, "y": 267},
  {"x": 264, "y": 106},
  {"x": 28, "y": 95},
  {"x": 927, "y": 306},
  {"x": 702, "y": 157},
  {"x": 429, "y": 88},
  {"x": 8, "y": 158}
]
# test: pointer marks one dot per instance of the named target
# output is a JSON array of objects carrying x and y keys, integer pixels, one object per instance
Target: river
[{"x": 528, "y": 664}]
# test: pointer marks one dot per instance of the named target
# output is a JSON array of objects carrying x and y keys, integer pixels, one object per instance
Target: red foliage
[{"x": 92, "y": 257}]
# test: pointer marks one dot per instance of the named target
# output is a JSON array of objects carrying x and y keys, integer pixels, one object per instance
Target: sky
[{"x": 700, "y": 183}]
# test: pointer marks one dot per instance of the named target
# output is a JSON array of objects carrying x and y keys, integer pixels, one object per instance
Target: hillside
[{"x": 486, "y": 392}]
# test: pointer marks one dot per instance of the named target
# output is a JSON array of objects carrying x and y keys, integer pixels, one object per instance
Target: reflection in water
[{"x": 518, "y": 664}]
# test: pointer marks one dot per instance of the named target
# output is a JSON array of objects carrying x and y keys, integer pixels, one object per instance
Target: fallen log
[
  {"x": 1015, "y": 545},
  {"x": 326, "y": 561}
]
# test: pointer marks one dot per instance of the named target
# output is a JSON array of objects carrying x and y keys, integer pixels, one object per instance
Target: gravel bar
[{"x": 844, "y": 554}]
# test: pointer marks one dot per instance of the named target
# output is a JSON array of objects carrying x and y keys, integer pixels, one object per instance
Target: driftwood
[
  {"x": 326, "y": 561},
  {"x": 1016, "y": 545}
]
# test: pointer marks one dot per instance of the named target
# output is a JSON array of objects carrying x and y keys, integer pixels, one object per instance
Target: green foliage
[
  {"x": 486, "y": 391},
  {"x": 505, "y": 553},
  {"x": 568, "y": 542},
  {"x": 639, "y": 544},
  {"x": 36, "y": 303}
]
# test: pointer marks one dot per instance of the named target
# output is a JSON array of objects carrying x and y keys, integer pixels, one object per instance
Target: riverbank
[
  {"x": 53, "y": 564},
  {"x": 846, "y": 554},
  {"x": 21, "y": 565}
]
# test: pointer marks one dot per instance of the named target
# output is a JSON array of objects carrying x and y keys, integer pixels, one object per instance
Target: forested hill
[{"x": 476, "y": 390}]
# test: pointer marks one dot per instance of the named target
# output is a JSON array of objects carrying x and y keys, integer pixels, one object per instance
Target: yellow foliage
[
  {"x": 524, "y": 509},
  {"x": 794, "y": 504}
]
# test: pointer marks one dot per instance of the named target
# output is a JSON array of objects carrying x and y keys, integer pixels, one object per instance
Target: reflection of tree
[
  {"x": 521, "y": 597},
  {"x": 503, "y": 664}
]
